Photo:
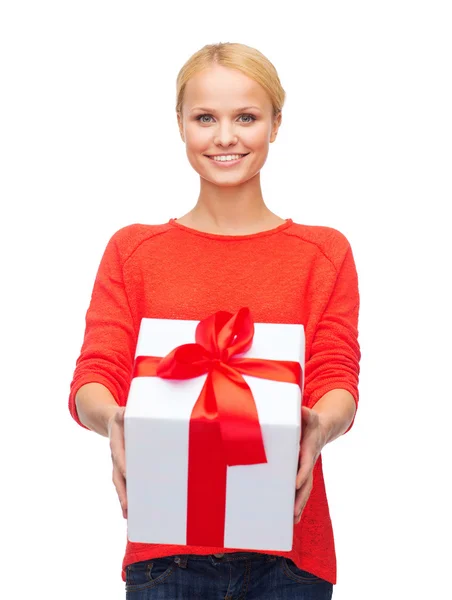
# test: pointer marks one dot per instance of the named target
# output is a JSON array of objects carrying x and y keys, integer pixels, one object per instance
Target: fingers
[
  {"x": 307, "y": 459},
  {"x": 300, "y": 501},
  {"x": 117, "y": 453},
  {"x": 121, "y": 489},
  {"x": 309, "y": 446},
  {"x": 305, "y": 469},
  {"x": 117, "y": 445},
  {"x": 298, "y": 508},
  {"x": 119, "y": 459},
  {"x": 301, "y": 475},
  {"x": 301, "y": 498}
]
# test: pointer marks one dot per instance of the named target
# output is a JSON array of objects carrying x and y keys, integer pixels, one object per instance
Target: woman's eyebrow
[{"x": 212, "y": 110}]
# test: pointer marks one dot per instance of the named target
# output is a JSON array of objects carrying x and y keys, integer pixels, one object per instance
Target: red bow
[{"x": 224, "y": 425}]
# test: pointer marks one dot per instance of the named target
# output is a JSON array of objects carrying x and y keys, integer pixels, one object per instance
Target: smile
[{"x": 226, "y": 161}]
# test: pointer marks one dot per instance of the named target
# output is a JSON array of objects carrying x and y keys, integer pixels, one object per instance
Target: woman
[{"x": 228, "y": 251}]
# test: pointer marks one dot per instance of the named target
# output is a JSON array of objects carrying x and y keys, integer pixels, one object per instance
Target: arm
[
  {"x": 336, "y": 410},
  {"x": 331, "y": 377},
  {"x": 95, "y": 406},
  {"x": 103, "y": 369},
  {"x": 332, "y": 371}
]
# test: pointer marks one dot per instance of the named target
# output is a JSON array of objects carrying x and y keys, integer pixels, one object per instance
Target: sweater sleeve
[
  {"x": 335, "y": 351},
  {"x": 108, "y": 348}
]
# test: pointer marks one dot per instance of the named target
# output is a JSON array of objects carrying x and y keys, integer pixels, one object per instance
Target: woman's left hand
[{"x": 312, "y": 441}]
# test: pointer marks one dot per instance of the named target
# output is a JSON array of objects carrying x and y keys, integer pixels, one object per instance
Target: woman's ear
[
  {"x": 181, "y": 127},
  {"x": 276, "y": 123}
]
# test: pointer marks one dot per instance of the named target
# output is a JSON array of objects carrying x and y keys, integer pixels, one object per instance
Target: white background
[{"x": 89, "y": 143}]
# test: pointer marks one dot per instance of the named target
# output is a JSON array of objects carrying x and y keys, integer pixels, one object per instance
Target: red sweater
[{"x": 292, "y": 273}]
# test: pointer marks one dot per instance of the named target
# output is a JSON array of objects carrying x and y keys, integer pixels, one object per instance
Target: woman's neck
[{"x": 232, "y": 224}]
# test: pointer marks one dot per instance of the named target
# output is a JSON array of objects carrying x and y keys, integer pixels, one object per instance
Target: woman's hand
[
  {"x": 312, "y": 442},
  {"x": 116, "y": 436}
]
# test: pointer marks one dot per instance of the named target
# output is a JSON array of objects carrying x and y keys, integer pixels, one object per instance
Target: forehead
[{"x": 223, "y": 88}]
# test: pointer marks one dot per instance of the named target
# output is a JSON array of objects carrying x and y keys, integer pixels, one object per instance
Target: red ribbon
[{"x": 224, "y": 427}]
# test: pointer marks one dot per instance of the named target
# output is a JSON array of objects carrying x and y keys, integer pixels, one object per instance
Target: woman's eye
[
  {"x": 200, "y": 118},
  {"x": 251, "y": 116}
]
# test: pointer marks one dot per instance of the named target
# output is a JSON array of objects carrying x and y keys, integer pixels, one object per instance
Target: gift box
[{"x": 212, "y": 432}]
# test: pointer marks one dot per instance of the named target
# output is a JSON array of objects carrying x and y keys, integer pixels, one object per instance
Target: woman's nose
[{"x": 226, "y": 135}]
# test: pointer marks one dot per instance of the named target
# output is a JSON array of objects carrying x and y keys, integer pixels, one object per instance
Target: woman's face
[{"x": 226, "y": 112}]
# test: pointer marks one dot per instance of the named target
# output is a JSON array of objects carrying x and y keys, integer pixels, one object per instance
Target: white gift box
[{"x": 259, "y": 498}]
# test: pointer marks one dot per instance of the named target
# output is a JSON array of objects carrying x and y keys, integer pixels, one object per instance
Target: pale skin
[{"x": 230, "y": 202}]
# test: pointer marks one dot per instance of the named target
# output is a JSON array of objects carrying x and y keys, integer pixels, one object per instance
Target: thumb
[
  {"x": 306, "y": 415},
  {"x": 120, "y": 414},
  {"x": 116, "y": 417}
]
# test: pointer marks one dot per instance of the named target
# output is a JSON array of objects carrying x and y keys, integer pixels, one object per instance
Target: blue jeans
[{"x": 233, "y": 576}]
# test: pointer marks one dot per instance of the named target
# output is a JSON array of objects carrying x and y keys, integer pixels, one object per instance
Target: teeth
[{"x": 228, "y": 157}]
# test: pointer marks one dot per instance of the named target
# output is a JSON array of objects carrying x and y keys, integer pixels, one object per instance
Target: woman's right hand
[{"x": 116, "y": 436}]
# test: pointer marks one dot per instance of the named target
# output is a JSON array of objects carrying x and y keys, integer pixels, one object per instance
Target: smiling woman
[
  {"x": 229, "y": 251},
  {"x": 229, "y": 105}
]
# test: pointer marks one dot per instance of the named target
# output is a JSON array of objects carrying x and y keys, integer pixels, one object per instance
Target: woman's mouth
[{"x": 227, "y": 161}]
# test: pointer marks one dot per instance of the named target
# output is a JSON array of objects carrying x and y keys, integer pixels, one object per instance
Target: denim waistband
[{"x": 182, "y": 559}]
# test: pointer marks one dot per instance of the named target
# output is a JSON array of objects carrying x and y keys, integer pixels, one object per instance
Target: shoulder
[
  {"x": 331, "y": 242},
  {"x": 128, "y": 238}
]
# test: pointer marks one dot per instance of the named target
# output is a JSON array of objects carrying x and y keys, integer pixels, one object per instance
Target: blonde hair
[{"x": 248, "y": 60}]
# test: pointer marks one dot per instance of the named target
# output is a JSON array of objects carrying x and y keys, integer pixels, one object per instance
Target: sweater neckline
[{"x": 221, "y": 236}]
